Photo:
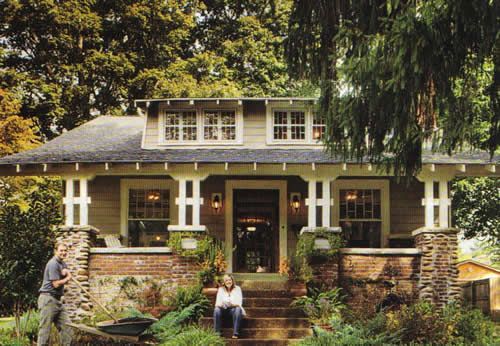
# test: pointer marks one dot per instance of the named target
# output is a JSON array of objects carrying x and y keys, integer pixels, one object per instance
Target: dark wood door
[{"x": 255, "y": 230}]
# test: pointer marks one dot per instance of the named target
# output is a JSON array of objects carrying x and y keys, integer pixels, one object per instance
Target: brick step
[
  {"x": 264, "y": 302},
  {"x": 260, "y": 342},
  {"x": 266, "y": 322},
  {"x": 269, "y": 333},
  {"x": 269, "y": 312},
  {"x": 268, "y": 294}
]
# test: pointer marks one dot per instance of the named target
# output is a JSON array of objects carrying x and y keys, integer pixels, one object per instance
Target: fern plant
[{"x": 195, "y": 336}]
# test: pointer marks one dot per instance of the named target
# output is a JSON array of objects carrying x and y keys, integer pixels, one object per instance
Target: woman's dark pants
[{"x": 235, "y": 313}]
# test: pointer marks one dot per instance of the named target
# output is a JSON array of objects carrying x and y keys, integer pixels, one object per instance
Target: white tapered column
[
  {"x": 84, "y": 200},
  {"x": 181, "y": 202},
  {"x": 443, "y": 203},
  {"x": 196, "y": 202},
  {"x": 312, "y": 202},
  {"x": 429, "y": 202},
  {"x": 325, "y": 209},
  {"x": 69, "y": 207}
]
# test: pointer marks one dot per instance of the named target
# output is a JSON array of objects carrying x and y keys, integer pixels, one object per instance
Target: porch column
[
  {"x": 69, "y": 208},
  {"x": 181, "y": 202},
  {"x": 311, "y": 218},
  {"x": 84, "y": 202},
  {"x": 444, "y": 203},
  {"x": 196, "y": 202},
  {"x": 325, "y": 204},
  {"x": 70, "y": 201},
  {"x": 429, "y": 202}
]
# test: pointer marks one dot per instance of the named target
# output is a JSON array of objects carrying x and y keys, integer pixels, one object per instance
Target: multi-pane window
[
  {"x": 219, "y": 126},
  {"x": 148, "y": 216},
  {"x": 360, "y": 217},
  {"x": 289, "y": 125},
  {"x": 180, "y": 126},
  {"x": 318, "y": 128}
]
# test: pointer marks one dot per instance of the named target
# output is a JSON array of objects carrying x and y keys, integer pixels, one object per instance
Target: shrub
[
  {"x": 171, "y": 323},
  {"x": 195, "y": 336},
  {"x": 474, "y": 328},
  {"x": 10, "y": 340},
  {"x": 188, "y": 296},
  {"x": 321, "y": 306}
]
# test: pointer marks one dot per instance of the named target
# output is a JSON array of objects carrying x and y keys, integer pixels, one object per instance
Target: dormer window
[
  {"x": 219, "y": 125},
  {"x": 180, "y": 126},
  {"x": 294, "y": 125},
  {"x": 200, "y": 125}
]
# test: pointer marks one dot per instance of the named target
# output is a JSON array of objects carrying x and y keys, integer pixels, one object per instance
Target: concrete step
[
  {"x": 266, "y": 322},
  {"x": 267, "y": 294},
  {"x": 269, "y": 333},
  {"x": 263, "y": 302},
  {"x": 261, "y": 342},
  {"x": 274, "y": 312}
]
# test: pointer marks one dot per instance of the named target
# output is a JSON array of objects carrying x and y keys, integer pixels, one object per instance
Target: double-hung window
[
  {"x": 180, "y": 126},
  {"x": 363, "y": 211},
  {"x": 219, "y": 125},
  {"x": 318, "y": 128},
  {"x": 289, "y": 125}
]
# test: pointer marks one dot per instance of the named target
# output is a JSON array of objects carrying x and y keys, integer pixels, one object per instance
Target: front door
[{"x": 256, "y": 230}]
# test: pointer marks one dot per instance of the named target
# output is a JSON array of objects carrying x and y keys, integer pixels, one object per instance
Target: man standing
[{"x": 55, "y": 276}]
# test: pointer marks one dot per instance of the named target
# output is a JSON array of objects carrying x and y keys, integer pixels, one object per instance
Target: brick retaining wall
[{"x": 110, "y": 271}]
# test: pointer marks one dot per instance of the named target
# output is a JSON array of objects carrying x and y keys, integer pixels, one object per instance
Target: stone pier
[
  {"x": 438, "y": 282},
  {"x": 79, "y": 240}
]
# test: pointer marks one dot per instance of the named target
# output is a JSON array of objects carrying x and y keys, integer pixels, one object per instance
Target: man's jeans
[
  {"x": 236, "y": 315},
  {"x": 52, "y": 310}
]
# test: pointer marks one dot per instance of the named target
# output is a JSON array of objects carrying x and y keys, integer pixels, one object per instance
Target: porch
[{"x": 258, "y": 210}]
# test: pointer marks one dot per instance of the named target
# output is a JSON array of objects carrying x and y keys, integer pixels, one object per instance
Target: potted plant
[{"x": 320, "y": 307}]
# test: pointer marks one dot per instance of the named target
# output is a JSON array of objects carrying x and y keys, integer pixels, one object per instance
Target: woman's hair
[{"x": 228, "y": 276}]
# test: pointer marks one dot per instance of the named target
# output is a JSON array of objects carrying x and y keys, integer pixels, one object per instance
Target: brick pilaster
[
  {"x": 438, "y": 282},
  {"x": 79, "y": 240}
]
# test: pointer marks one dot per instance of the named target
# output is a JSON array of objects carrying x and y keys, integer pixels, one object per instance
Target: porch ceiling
[{"x": 118, "y": 140}]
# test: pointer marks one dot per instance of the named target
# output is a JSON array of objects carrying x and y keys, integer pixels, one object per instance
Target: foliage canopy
[{"x": 395, "y": 74}]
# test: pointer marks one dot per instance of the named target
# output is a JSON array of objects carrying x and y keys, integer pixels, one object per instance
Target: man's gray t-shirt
[{"x": 53, "y": 272}]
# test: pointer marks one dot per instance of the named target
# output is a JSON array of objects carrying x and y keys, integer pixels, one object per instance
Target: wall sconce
[
  {"x": 295, "y": 201},
  {"x": 216, "y": 202}
]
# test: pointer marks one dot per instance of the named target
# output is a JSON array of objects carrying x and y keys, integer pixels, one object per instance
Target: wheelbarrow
[{"x": 130, "y": 326}]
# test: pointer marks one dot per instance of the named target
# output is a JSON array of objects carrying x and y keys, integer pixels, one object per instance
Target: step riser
[
  {"x": 264, "y": 302},
  {"x": 256, "y": 342},
  {"x": 261, "y": 323},
  {"x": 269, "y": 333},
  {"x": 267, "y": 312},
  {"x": 268, "y": 294}
]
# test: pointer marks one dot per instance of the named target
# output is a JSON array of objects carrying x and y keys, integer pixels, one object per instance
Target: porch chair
[{"x": 112, "y": 241}]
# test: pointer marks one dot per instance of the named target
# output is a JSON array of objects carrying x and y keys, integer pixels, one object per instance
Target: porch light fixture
[
  {"x": 216, "y": 202},
  {"x": 295, "y": 201},
  {"x": 153, "y": 196},
  {"x": 351, "y": 195}
]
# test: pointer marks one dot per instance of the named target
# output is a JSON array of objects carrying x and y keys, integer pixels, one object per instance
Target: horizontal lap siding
[
  {"x": 104, "y": 209},
  {"x": 254, "y": 125},
  {"x": 151, "y": 137},
  {"x": 407, "y": 213}
]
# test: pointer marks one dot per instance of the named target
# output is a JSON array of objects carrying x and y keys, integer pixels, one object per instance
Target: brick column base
[
  {"x": 438, "y": 282},
  {"x": 79, "y": 240}
]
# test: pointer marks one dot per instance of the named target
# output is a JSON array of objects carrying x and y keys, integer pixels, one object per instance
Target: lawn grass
[{"x": 6, "y": 322}]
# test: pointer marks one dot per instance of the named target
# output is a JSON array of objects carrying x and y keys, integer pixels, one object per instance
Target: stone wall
[
  {"x": 79, "y": 240},
  {"x": 118, "y": 274},
  {"x": 438, "y": 271}
]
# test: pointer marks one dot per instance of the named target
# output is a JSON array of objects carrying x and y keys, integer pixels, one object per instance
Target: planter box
[
  {"x": 321, "y": 244},
  {"x": 189, "y": 243}
]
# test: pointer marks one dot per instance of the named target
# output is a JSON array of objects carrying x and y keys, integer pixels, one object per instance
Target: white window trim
[
  {"x": 128, "y": 184},
  {"x": 366, "y": 184},
  {"x": 309, "y": 114},
  {"x": 200, "y": 119}
]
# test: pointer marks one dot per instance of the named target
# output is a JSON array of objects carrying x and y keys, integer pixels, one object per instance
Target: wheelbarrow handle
[{"x": 94, "y": 299}]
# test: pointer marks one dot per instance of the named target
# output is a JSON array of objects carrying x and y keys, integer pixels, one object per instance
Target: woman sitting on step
[{"x": 229, "y": 302}]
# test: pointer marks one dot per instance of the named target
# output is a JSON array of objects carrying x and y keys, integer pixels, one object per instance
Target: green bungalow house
[{"x": 252, "y": 172}]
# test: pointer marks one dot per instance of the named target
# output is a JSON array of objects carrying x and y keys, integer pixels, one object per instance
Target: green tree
[
  {"x": 476, "y": 202},
  {"x": 400, "y": 73},
  {"x": 29, "y": 209}
]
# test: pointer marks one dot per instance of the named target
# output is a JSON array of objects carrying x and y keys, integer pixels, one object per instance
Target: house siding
[
  {"x": 104, "y": 209},
  {"x": 407, "y": 213}
]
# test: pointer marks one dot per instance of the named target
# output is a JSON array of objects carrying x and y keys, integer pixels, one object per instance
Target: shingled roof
[{"x": 118, "y": 139}]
